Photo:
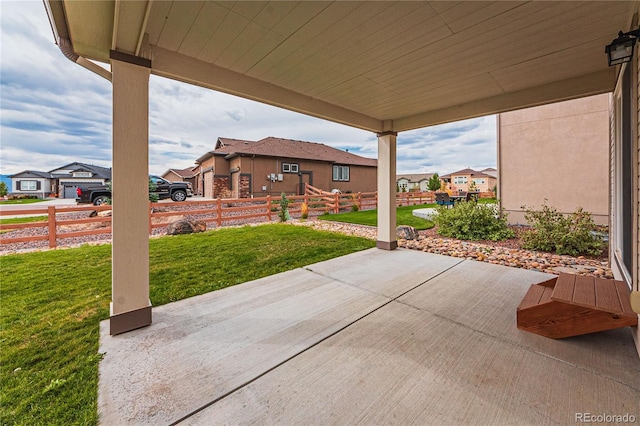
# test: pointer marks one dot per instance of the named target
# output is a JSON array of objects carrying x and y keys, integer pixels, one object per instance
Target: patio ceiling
[{"x": 373, "y": 65}]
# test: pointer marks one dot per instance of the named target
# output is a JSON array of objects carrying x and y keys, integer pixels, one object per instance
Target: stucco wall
[
  {"x": 557, "y": 152},
  {"x": 362, "y": 179}
]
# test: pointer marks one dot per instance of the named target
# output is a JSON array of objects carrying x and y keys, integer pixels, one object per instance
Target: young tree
[
  {"x": 434, "y": 182},
  {"x": 3, "y": 189},
  {"x": 153, "y": 196}
]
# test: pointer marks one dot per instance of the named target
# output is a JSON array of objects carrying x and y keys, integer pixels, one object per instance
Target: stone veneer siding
[
  {"x": 220, "y": 183},
  {"x": 244, "y": 187}
]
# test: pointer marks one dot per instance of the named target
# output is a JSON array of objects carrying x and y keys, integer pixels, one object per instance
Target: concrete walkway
[{"x": 376, "y": 337}]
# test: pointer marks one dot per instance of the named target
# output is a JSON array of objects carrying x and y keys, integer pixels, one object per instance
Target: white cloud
[{"x": 55, "y": 112}]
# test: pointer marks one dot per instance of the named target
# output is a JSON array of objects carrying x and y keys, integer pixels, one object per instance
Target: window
[
  {"x": 82, "y": 174},
  {"x": 28, "y": 185},
  {"x": 479, "y": 181},
  {"x": 341, "y": 173},
  {"x": 459, "y": 179},
  {"x": 289, "y": 168}
]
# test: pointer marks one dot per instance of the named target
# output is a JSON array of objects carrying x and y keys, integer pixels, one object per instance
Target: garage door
[{"x": 70, "y": 192}]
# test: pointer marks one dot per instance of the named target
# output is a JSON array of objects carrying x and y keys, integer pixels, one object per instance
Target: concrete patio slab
[
  {"x": 489, "y": 306},
  {"x": 389, "y": 273},
  {"x": 373, "y": 337},
  {"x": 404, "y": 366}
]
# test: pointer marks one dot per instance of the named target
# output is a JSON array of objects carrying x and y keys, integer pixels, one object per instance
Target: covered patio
[
  {"x": 423, "y": 339},
  {"x": 376, "y": 337}
]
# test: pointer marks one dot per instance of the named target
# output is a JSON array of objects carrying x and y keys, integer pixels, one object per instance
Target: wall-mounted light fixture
[{"x": 621, "y": 49}]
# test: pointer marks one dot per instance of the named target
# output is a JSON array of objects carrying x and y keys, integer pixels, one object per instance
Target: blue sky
[{"x": 54, "y": 112}]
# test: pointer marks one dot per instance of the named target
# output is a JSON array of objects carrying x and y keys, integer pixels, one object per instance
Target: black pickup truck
[{"x": 99, "y": 194}]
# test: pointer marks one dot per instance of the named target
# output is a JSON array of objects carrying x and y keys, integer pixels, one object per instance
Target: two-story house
[{"x": 466, "y": 179}]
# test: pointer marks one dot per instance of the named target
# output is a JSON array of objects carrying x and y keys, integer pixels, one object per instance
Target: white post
[
  {"x": 387, "y": 191},
  {"x": 130, "y": 305}
]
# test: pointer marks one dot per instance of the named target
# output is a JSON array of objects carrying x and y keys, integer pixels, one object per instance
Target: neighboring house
[
  {"x": 461, "y": 180},
  {"x": 67, "y": 178},
  {"x": 558, "y": 154},
  {"x": 61, "y": 182},
  {"x": 31, "y": 182},
  {"x": 275, "y": 165},
  {"x": 413, "y": 182},
  {"x": 190, "y": 175},
  {"x": 490, "y": 171}
]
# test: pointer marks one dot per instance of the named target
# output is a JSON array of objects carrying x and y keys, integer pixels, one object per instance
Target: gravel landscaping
[{"x": 505, "y": 252}]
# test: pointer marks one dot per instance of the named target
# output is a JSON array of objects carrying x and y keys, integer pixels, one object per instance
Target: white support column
[
  {"x": 387, "y": 191},
  {"x": 130, "y": 305}
]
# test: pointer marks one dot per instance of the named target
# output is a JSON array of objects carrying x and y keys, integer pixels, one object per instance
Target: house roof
[
  {"x": 470, "y": 172},
  {"x": 490, "y": 171},
  {"x": 97, "y": 171},
  {"x": 415, "y": 177},
  {"x": 223, "y": 146},
  {"x": 184, "y": 173},
  {"x": 294, "y": 149},
  {"x": 32, "y": 174}
]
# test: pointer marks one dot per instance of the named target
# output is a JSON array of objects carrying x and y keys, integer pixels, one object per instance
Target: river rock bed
[{"x": 498, "y": 253}]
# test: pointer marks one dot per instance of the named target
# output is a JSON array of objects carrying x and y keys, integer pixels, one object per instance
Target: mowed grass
[
  {"x": 53, "y": 302},
  {"x": 24, "y": 219},
  {"x": 23, "y": 201},
  {"x": 404, "y": 216}
]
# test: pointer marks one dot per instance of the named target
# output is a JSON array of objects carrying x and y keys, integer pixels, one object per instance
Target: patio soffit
[{"x": 373, "y": 65}]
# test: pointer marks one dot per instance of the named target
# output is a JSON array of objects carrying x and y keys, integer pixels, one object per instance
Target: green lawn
[
  {"x": 53, "y": 301},
  {"x": 404, "y": 216},
  {"x": 26, "y": 219},
  {"x": 23, "y": 201}
]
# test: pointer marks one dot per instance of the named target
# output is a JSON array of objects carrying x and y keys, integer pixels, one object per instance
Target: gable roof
[
  {"x": 32, "y": 174},
  {"x": 222, "y": 146},
  {"x": 98, "y": 171},
  {"x": 295, "y": 149},
  {"x": 415, "y": 177},
  {"x": 470, "y": 172},
  {"x": 184, "y": 173}
]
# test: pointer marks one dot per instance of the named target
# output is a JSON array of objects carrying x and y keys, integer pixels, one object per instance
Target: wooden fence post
[
  {"x": 269, "y": 207},
  {"x": 51, "y": 211},
  {"x": 219, "y": 213},
  {"x": 336, "y": 206}
]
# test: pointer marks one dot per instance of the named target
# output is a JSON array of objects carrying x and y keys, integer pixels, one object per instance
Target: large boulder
[
  {"x": 185, "y": 226},
  {"x": 405, "y": 232}
]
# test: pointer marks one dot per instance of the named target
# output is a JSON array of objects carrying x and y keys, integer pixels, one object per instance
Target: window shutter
[
  {"x": 19, "y": 185},
  {"x": 38, "y": 185}
]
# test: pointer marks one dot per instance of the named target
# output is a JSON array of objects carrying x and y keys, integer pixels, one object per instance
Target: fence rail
[{"x": 218, "y": 211}]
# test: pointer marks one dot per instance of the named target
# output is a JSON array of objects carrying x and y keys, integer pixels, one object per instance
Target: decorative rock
[
  {"x": 186, "y": 227},
  {"x": 407, "y": 232}
]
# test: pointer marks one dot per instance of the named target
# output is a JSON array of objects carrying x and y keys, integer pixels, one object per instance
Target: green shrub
[
  {"x": 283, "y": 214},
  {"x": 554, "y": 232},
  {"x": 471, "y": 221},
  {"x": 153, "y": 196}
]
